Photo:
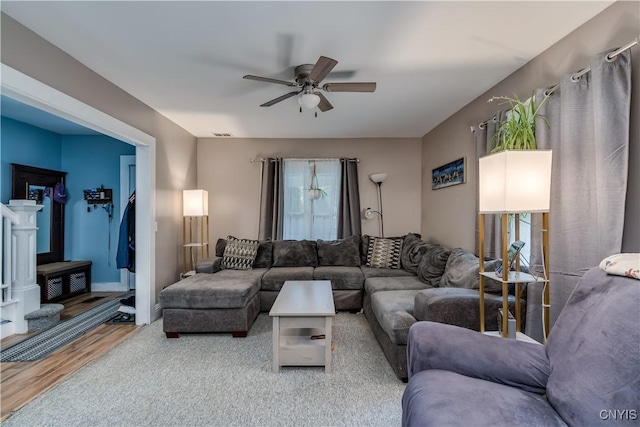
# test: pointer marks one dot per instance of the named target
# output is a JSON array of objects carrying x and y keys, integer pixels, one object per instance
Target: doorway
[{"x": 32, "y": 92}]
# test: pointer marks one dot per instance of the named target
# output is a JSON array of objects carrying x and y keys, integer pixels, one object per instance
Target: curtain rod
[
  {"x": 262, "y": 159},
  {"x": 609, "y": 58},
  {"x": 574, "y": 77}
]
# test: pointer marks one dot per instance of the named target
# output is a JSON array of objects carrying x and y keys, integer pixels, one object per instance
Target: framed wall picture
[{"x": 450, "y": 174}]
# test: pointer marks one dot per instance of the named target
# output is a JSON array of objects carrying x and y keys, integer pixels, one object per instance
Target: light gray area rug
[{"x": 211, "y": 379}]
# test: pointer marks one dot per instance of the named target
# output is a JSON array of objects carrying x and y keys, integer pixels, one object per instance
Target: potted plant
[
  {"x": 315, "y": 192},
  {"x": 518, "y": 131}
]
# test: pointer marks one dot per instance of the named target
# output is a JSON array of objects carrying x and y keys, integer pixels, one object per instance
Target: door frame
[
  {"x": 126, "y": 162},
  {"x": 32, "y": 92}
]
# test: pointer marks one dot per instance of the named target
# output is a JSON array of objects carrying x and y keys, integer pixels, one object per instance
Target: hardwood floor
[{"x": 21, "y": 382}]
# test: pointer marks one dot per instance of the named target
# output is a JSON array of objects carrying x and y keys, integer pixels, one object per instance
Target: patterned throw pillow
[
  {"x": 239, "y": 254},
  {"x": 384, "y": 253}
]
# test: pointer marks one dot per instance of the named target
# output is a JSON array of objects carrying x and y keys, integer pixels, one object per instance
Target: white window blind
[{"x": 305, "y": 218}]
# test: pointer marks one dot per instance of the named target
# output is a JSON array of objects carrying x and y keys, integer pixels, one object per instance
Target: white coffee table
[{"x": 302, "y": 310}]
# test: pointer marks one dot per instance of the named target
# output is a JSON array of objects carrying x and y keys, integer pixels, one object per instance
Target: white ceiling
[{"x": 187, "y": 59}]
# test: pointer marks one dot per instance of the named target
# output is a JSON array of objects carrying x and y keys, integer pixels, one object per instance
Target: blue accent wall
[
  {"x": 92, "y": 161},
  {"x": 27, "y": 145}
]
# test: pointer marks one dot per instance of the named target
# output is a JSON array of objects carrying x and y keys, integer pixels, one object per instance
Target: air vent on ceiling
[{"x": 222, "y": 135}]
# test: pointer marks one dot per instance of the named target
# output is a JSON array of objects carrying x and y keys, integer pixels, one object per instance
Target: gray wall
[
  {"x": 448, "y": 215},
  {"x": 28, "y": 53},
  {"x": 234, "y": 183}
]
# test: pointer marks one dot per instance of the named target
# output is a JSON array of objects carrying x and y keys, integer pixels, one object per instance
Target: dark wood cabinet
[{"x": 60, "y": 280}]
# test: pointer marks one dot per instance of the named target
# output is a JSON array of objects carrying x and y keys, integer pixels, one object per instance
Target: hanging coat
[{"x": 126, "y": 255}]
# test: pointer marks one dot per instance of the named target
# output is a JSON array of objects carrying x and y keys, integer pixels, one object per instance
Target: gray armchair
[{"x": 587, "y": 374}]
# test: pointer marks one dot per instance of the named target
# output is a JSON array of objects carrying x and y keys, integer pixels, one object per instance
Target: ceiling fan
[{"x": 307, "y": 83}]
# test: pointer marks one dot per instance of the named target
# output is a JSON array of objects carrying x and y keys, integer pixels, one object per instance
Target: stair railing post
[{"x": 24, "y": 253}]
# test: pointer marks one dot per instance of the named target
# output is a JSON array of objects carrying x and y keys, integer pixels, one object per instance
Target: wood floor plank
[
  {"x": 21, "y": 382},
  {"x": 30, "y": 379}
]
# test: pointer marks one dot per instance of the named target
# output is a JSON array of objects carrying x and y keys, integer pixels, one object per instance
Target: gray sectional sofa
[{"x": 434, "y": 283}]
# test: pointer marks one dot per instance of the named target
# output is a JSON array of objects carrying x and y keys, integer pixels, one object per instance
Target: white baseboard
[
  {"x": 7, "y": 329},
  {"x": 108, "y": 287},
  {"x": 158, "y": 312}
]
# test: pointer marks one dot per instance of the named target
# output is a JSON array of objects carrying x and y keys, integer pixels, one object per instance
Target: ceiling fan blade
[
  {"x": 280, "y": 98},
  {"x": 322, "y": 68},
  {"x": 350, "y": 87},
  {"x": 268, "y": 80},
  {"x": 324, "y": 104}
]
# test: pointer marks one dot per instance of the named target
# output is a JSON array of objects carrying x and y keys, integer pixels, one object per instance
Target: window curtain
[
  {"x": 349, "y": 221},
  {"x": 485, "y": 143},
  {"x": 589, "y": 134},
  {"x": 271, "y": 200}
]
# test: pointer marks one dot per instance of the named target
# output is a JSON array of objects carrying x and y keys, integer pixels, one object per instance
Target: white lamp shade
[
  {"x": 309, "y": 100},
  {"x": 195, "y": 202},
  {"x": 515, "y": 181},
  {"x": 378, "y": 177}
]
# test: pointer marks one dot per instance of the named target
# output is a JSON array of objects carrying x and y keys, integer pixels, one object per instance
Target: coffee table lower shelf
[
  {"x": 297, "y": 348},
  {"x": 293, "y": 344}
]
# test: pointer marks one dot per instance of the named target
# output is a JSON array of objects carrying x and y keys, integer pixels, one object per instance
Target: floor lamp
[
  {"x": 514, "y": 182},
  {"x": 195, "y": 212},
  {"x": 378, "y": 179}
]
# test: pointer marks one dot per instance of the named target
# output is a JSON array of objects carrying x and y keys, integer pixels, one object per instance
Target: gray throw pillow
[
  {"x": 220, "y": 245},
  {"x": 384, "y": 252},
  {"x": 264, "y": 258},
  {"x": 342, "y": 252},
  {"x": 295, "y": 253},
  {"x": 463, "y": 271},
  {"x": 412, "y": 251},
  {"x": 364, "y": 248},
  {"x": 239, "y": 254},
  {"x": 433, "y": 263}
]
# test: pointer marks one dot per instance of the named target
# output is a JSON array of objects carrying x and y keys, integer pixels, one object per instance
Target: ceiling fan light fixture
[{"x": 309, "y": 100}]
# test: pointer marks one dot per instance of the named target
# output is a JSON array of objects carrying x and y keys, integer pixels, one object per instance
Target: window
[
  {"x": 525, "y": 234},
  {"x": 304, "y": 217}
]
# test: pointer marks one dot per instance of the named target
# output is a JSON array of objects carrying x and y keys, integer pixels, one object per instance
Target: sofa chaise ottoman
[{"x": 198, "y": 304}]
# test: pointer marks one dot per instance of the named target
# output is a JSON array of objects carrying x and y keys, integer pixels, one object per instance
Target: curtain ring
[
  {"x": 550, "y": 90},
  {"x": 482, "y": 125},
  {"x": 610, "y": 58},
  {"x": 575, "y": 78}
]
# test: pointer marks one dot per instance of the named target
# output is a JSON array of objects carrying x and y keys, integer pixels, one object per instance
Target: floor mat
[{"x": 47, "y": 341}]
